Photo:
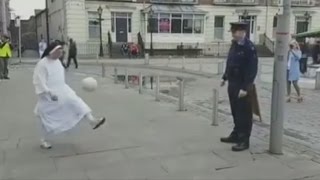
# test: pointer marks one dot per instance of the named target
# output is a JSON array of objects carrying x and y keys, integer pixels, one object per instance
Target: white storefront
[{"x": 196, "y": 25}]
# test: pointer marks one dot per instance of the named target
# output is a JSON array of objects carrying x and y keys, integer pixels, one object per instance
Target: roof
[
  {"x": 314, "y": 33},
  {"x": 39, "y": 11}
]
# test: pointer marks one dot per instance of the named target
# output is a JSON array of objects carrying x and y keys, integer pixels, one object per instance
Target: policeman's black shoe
[
  {"x": 241, "y": 146},
  {"x": 7, "y": 78},
  {"x": 231, "y": 139}
]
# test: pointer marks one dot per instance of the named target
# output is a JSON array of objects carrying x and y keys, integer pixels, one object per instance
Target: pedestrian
[
  {"x": 72, "y": 53},
  {"x": 315, "y": 52},
  {"x": 125, "y": 49},
  {"x": 5, "y": 55},
  {"x": 134, "y": 50},
  {"x": 304, "y": 58},
  {"x": 240, "y": 73},
  {"x": 42, "y": 46},
  {"x": 59, "y": 108},
  {"x": 293, "y": 70}
]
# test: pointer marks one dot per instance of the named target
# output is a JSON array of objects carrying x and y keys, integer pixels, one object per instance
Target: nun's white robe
[{"x": 68, "y": 111}]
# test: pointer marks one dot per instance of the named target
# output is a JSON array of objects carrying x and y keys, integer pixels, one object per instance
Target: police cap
[{"x": 238, "y": 26}]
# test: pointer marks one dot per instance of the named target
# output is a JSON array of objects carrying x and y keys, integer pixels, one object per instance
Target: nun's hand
[{"x": 53, "y": 97}]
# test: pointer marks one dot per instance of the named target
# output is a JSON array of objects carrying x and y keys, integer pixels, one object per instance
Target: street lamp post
[
  {"x": 151, "y": 31},
  {"x": 18, "y": 25},
  {"x": 100, "y": 10}
]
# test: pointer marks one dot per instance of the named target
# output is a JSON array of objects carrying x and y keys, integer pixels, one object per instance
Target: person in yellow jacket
[{"x": 5, "y": 55}]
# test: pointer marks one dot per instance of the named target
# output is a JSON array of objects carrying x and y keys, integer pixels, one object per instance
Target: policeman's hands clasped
[
  {"x": 223, "y": 82},
  {"x": 242, "y": 93}
]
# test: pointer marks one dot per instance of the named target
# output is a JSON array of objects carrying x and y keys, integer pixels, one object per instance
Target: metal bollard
[
  {"x": 317, "y": 79},
  {"x": 157, "y": 88},
  {"x": 103, "y": 70},
  {"x": 183, "y": 62},
  {"x": 260, "y": 72},
  {"x": 181, "y": 95},
  {"x": 220, "y": 67},
  {"x": 169, "y": 60},
  {"x": 146, "y": 59},
  {"x": 215, "y": 101},
  {"x": 115, "y": 75},
  {"x": 140, "y": 83},
  {"x": 126, "y": 79}
]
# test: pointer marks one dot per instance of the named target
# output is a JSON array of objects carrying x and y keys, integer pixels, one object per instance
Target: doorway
[
  {"x": 251, "y": 31},
  {"x": 121, "y": 25}
]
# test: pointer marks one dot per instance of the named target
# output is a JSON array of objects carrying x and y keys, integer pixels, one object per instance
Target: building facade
[
  {"x": 5, "y": 16},
  {"x": 168, "y": 23},
  {"x": 41, "y": 24}
]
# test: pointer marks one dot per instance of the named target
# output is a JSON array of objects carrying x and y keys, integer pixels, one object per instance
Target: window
[
  {"x": 129, "y": 24},
  {"x": 219, "y": 27},
  {"x": 164, "y": 23},
  {"x": 153, "y": 24},
  {"x": 176, "y": 23},
  {"x": 187, "y": 23},
  {"x": 93, "y": 25},
  {"x": 113, "y": 22},
  {"x": 117, "y": 15},
  {"x": 198, "y": 24},
  {"x": 275, "y": 24},
  {"x": 302, "y": 25}
]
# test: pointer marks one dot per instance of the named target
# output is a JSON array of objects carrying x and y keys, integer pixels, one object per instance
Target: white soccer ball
[{"x": 89, "y": 84}]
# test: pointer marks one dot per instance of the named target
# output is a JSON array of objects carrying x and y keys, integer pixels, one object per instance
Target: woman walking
[{"x": 293, "y": 70}]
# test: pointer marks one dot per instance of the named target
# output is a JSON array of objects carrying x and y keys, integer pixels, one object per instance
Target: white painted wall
[
  {"x": 76, "y": 20},
  {"x": 42, "y": 27}
]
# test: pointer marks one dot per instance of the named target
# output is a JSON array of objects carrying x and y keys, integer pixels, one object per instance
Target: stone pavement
[{"x": 144, "y": 140}]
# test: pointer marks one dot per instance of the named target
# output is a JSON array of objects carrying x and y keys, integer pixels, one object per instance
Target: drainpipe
[
  {"x": 266, "y": 26},
  {"x": 47, "y": 23}
]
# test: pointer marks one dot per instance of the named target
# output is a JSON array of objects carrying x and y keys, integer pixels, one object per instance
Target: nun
[{"x": 58, "y": 108}]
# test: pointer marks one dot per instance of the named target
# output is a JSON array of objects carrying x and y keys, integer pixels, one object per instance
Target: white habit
[{"x": 69, "y": 110}]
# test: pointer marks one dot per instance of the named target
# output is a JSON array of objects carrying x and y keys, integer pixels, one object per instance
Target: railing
[
  {"x": 236, "y": 2},
  {"x": 299, "y": 3},
  {"x": 174, "y": 1},
  {"x": 266, "y": 41},
  {"x": 90, "y": 49},
  {"x": 141, "y": 43},
  {"x": 303, "y": 2},
  {"x": 110, "y": 44},
  {"x": 208, "y": 49}
]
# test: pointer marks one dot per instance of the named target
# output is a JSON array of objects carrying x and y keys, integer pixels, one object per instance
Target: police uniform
[{"x": 240, "y": 73}]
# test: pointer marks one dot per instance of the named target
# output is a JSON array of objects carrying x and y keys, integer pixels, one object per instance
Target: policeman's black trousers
[
  {"x": 74, "y": 60},
  {"x": 241, "y": 111}
]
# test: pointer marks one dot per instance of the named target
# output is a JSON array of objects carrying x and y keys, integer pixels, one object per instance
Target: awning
[
  {"x": 182, "y": 9},
  {"x": 314, "y": 33}
]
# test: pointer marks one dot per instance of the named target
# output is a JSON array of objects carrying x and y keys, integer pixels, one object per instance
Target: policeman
[{"x": 240, "y": 73}]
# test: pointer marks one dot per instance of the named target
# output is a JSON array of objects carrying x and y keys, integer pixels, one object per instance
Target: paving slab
[{"x": 144, "y": 139}]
